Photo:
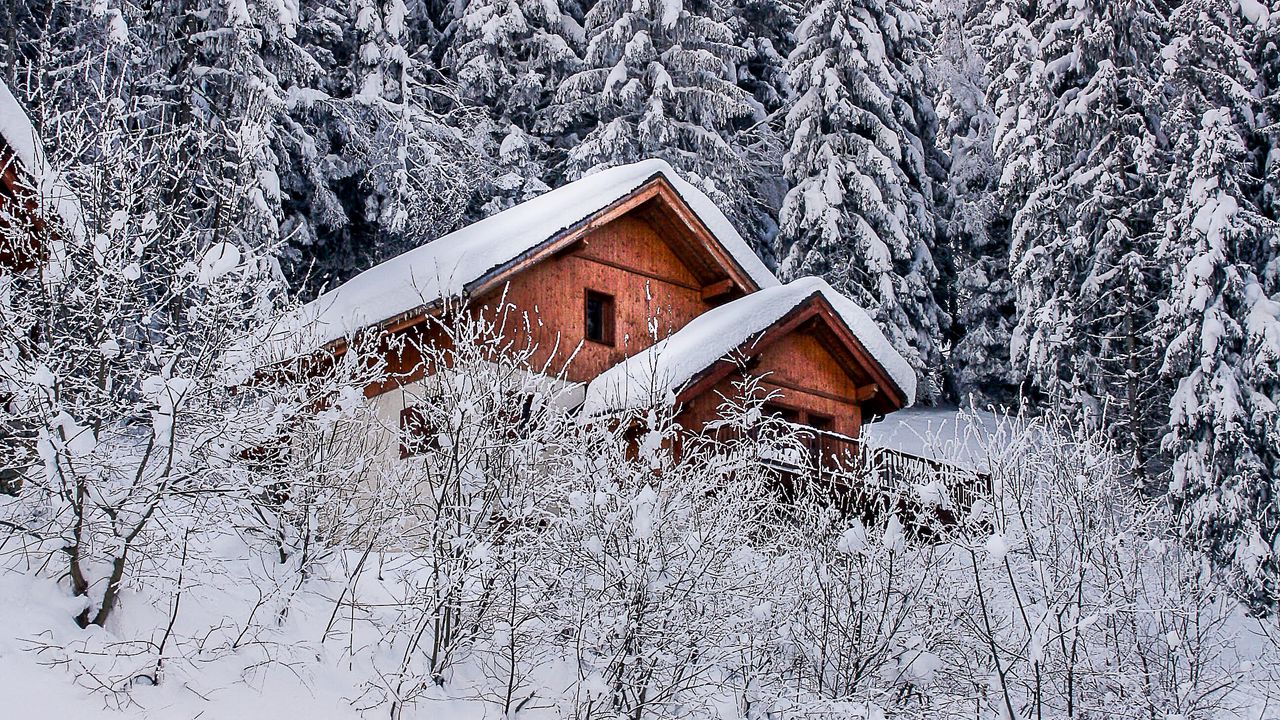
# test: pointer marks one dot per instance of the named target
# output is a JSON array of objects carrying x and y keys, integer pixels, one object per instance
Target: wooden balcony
[{"x": 869, "y": 480}]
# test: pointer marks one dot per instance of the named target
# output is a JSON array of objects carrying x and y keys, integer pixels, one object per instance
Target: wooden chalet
[
  {"x": 33, "y": 199},
  {"x": 19, "y": 222},
  {"x": 597, "y": 261}
]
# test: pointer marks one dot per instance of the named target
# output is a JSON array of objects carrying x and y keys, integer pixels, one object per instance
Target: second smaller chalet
[
  {"x": 596, "y": 264},
  {"x": 36, "y": 205}
]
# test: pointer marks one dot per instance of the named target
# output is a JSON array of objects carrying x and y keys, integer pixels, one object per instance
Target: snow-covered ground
[
  {"x": 50, "y": 668},
  {"x": 245, "y": 636}
]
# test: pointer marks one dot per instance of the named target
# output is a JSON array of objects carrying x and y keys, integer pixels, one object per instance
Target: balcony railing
[{"x": 882, "y": 474}]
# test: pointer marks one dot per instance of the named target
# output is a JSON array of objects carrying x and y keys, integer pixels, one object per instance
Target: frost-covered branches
[
  {"x": 1083, "y": 601},
  {"x": 477, "y": 542},
  {"x": 113, "y": 342}
]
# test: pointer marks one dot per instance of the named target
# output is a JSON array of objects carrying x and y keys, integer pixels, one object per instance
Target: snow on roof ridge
[
  {"x": 659, "y": 372},
  {"x": 20, "y": 135},
  {"x": 446, "y": 266}
]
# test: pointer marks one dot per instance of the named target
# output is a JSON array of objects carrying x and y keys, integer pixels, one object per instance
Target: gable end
[
  {"x": 658, "y": 202},
  {"x": 881, "y": 396}
]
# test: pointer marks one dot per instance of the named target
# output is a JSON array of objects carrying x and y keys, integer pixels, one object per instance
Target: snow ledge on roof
[
  {"x": 446, "y": 266},
  {"x": 21, "y": 137},
  {"x": 659, "y": 373}
]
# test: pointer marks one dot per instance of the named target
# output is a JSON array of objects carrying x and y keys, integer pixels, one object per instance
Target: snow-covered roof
[
  {"x": 450, "y": 265},
  {"x": 962, "y": 437},
  {"x": 660, "y": 372},
  {"x": 20, "y": 135}
]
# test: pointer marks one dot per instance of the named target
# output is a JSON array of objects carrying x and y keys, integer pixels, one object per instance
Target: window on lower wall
[
  {"x": 598, "y": 317},
  {"x": 782, "y": 413},
  {"x": 821, "y": 423},
  {"x": 416, "y": 432},
  {"x": 517, "y": 416}
]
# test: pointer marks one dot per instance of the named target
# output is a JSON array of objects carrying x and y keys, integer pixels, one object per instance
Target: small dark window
[
  {"x": 782, "y": 413},
  {"x": 517, "y": 420},
  {"x": 416, "y": 433},
  {"x": 526, "y": 410},
  {"x": 821, "y": 423},
  {"x": 599, "y": 318},
  {"x": 271, "y": 455}
]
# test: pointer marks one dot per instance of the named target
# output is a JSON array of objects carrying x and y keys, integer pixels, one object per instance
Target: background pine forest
[{"x": 1065, "y": 205}]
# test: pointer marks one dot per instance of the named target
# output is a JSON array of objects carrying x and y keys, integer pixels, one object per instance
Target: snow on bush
[
  {"x": 174, "y": 546},
  {"x": 521, "y": 562}
]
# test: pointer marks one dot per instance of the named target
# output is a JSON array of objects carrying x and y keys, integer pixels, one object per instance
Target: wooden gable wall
[
  {"x": 626, "y": 259},
  {"x": 806, "y": 377}
]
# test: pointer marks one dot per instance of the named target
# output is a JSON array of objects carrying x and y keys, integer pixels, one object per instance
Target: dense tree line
[{"x": 1066, "y": 204}]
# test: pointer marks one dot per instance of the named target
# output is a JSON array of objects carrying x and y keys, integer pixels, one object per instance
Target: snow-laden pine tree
[
  {"x": 238, "y": 67},
  {"x": 766, "y": 30},
  {"x": 392, "y": 161},
  {"x": 1264, "y": 44},
  {"x": 973, "y": 40},
  {"x": 509, "y": 56},
  {"x": 1221, "y": 321},
  {"x": 381, "y": 67},
  {"x": 658, "y": 81},
  {"x": 861, "y": 208},
  {"x": 1080, "y": 140}
]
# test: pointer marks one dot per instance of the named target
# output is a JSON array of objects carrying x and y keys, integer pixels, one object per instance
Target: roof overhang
[
  {"x": 881, "y": 395},
  {"x": 658, "y": 200}
]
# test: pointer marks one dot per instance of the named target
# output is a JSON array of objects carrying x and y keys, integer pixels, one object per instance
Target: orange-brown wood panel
[
  {"x": 632, "y": 244},
  {"x": 625, "y": 259},
  {"x": 806, "y": 377},
  {"x": 801, "y": 361},
  {"x": 19, "y": 250}
]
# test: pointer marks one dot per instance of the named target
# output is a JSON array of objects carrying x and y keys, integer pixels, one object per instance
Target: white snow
[
  {"x": 854, "y": 539},
  {"x": 957, "y": 436},
  {"x": 41, "y": 649},
  {"x": 167, "y": 394},
  {"x": 18, "y": 132},
  {"x": 109, "y": 348},
  {"x": 20, "y": 135},
  {"x": 643, "y": 513},
  {"x": 219, "y": 260},
  {"x": 1255, "y": 12},
  {"x": 997, "y": 547},
  {"x": 933, "y": 494},
  {"x": 659, "y": 372},
  {"x": 451, "y": 265},
  {"x": 78, "y": 439},
  {"x": 916, "y": 665},
  {"x": 894, "y": 538}
]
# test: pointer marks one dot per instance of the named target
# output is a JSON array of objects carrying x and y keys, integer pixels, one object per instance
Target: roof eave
[
  {"x": 811, "y": 306},
  {"x": 656, "y": 185}
]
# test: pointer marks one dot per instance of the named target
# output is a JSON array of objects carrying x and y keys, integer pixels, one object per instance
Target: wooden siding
[
  {"x": 625, "y": 259},
  {"x": 647, "y": 267},
  {"x": 21, "y": 250},
  {"x": 807, "y": 377}
]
